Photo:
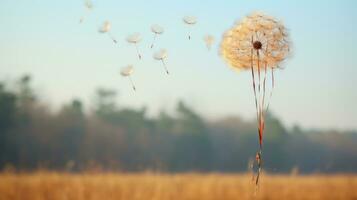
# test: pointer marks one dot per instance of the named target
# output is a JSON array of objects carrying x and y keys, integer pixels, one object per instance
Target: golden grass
[{"x": 149, "y": 186}]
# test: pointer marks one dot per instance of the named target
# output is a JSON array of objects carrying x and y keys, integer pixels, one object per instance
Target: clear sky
[{"x": 69, "y": 60}]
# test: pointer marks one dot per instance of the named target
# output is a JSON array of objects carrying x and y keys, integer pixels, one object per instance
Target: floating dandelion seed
[
  {"x": 135, "y": 39},
  {"x": 209, "y": 40},
  {"x": 162, "y": 55},
  {"x": 127, "y": 72},
  {"x": 258, "y": 43},
  {"x": 157, "y": 30},
  {"x": 88, "y": 6},
  {"x": 190, "y": 20},
  {"x": 105, "y": 28}
]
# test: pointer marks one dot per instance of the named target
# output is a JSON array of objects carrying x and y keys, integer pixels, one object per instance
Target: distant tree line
[{"x": 118, "y": 138}]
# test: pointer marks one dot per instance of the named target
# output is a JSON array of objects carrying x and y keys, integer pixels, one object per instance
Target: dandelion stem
[
  {"x": 261, "y": 117},
  {"x": 261, "y": 124},
  {"x": 87, "y": 11},
  {"x": 163, "y": 62},
  {"x": 264, "y": 85},
  {"x": 112, "y": 38},
  {"x": 153, "y": 41},
  {"x": 253, "y": 81},
  {"x": 137, "y": 50},
  {"x": 259, "y": 76},
  {"x": 132, "y": 83},
  {"x": 272, "y": 88},
  {"x": 81, "y": 20},
  {"x": 259, "y": 161}
]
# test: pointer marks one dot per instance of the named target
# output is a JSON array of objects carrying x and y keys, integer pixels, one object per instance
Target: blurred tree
[
  {"x": 164, "y": 123},
  {"x": 274, "y": 142},
  {"x": 122, "y": 138},
  {"x": 7, "y": 121},
  {"x": 193, "y": 148},
  {"x": 234, "y": 143},
  {"x": 26, "y": 143},
  {"x": 72, "y": 129},
  {"x": 105, "y": 102}
]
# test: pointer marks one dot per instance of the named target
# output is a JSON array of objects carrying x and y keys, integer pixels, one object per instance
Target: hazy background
[
  {"x": 60, "y": 105},
  {"x": 44, "y": 38}
]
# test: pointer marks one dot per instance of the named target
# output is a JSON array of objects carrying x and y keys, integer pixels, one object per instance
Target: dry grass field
[{"x": 149, "y": 186}]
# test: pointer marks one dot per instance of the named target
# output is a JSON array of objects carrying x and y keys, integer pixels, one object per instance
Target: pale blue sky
[{"x": 68, "y": 60}]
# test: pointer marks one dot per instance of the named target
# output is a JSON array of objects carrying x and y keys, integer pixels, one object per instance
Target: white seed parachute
[
  {"x": 88, "y": 5},
  {"x": 127, "y": 72},
  {"x": 162, "y": 55},
  {"x": 157, "y": 30},
  {"x": 105, "y": 29},
  {"x": 135, "y": 39},
  {"x": 209, "y": 40},
  {"x": 190, "y": 21}
]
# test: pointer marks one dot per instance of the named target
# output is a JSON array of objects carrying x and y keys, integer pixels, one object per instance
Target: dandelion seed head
[{"x": 256, "y": 34}]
